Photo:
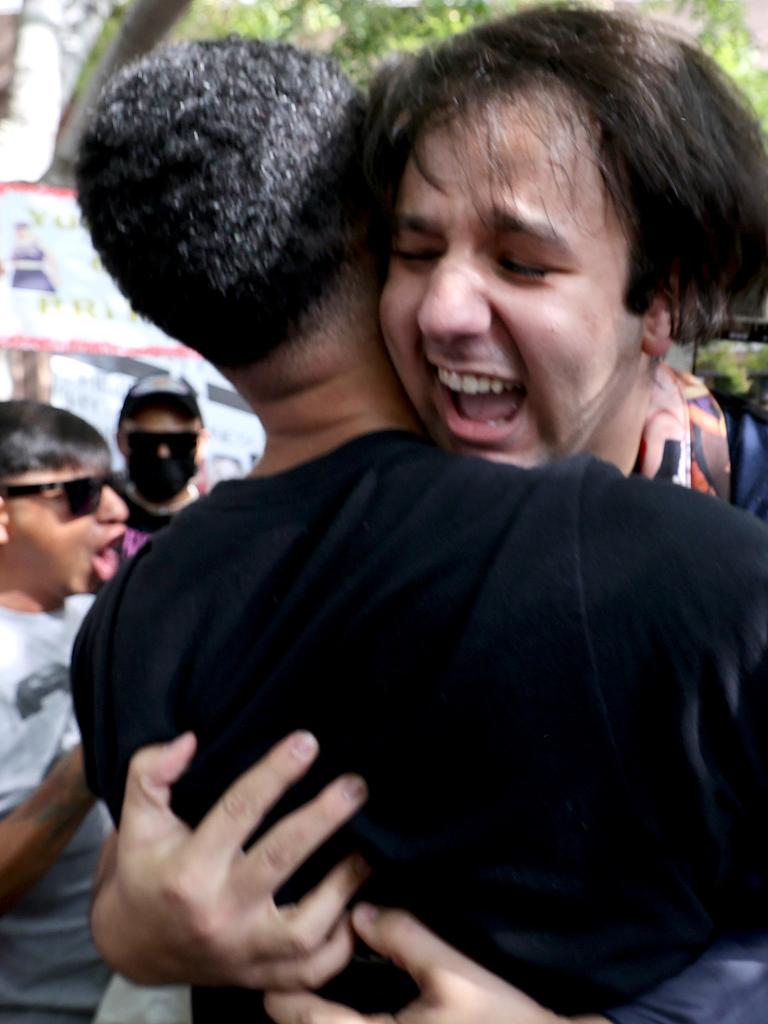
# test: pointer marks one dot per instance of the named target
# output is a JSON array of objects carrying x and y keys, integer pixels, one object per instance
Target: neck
[
  {"x": 333, "y": 387},
  {"x": 620, "y": 444},
  {"x": 326, "y": 416},
  {"x": 178, "y": 502},
  {"x": 21, "y": 599}
]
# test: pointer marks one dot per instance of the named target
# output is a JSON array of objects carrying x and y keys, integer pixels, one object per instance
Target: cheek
[
  {"x": 79, "y": 569},
  {"x": 567, "y": 341},
  {"x": 71, "y": 543},
  {"x": 397, "y": 312},
  {"x": 554, "y": 346}
]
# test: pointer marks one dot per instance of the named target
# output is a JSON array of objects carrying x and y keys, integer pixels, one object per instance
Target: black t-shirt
[{"x": 553, "y": 682}]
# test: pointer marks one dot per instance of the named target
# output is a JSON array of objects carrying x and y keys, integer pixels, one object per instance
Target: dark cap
[{"x": 163, "y": 389}]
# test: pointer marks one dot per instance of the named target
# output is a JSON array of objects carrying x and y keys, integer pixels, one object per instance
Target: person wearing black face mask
[{"x": 160, "y": 433}]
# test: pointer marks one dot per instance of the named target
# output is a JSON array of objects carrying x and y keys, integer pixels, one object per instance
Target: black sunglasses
[
  {"x": 146, "y": 442},
  {"x": 83, "y": 494}
]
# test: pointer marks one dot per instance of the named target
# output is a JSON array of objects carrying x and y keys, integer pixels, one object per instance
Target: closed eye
[
  {"x": 415, "y": 255},
  {"x": 521, "y": 269}
]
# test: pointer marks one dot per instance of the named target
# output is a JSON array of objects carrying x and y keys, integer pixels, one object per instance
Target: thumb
[
  {"x": 398, "y": 935},
  {"x": 151, "y": 773}
]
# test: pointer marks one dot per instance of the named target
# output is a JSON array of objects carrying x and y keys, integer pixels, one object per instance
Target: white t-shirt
[
  {"x": 37, "y": 722},
  {"x": 49, "y": 968}
]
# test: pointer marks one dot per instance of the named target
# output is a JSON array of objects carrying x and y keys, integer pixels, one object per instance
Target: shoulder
[
  {"x": 77, "y": 607},
  {"x": 737, "y": 408},
  {"x": 748, "y": 444},
  {"x": 683, "y": 557},
  {"x": 497, "y": 511},
  {"x": 474, "y": 480},
  {"x": 665, "y": 516}
]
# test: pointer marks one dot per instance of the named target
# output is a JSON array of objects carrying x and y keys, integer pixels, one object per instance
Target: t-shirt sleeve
[
  {"x": 91, "y": 679},
  {"x": 727, "y": 985}
]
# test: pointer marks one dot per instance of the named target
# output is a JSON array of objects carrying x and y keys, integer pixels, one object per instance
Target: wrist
[
  {"x": 122, "y": 947},
  {"x": 68, "y": 776}
]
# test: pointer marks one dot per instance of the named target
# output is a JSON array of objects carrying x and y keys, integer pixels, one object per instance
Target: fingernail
[
  {"x": 354, "y": 789},
  {"x": 365, "y": 913},
  {"x": 181, "y": 740},
  {"x": 304, "y": 745}
]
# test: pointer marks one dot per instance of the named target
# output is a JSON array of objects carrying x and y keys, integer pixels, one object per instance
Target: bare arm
[
  {"x": 175, "y": 904},
  {"x": 34, "y": 834}
]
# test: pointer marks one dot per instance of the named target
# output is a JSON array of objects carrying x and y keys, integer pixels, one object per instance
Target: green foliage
[
  {"x": 357, "y": 32},
  {"x": 757, "y": 361},
  {"x": 730, "y": 371},
  {"x": 111, "y": 26},
  {"x": 723, "y": 32},
  {"x": 360, "y": 32}
]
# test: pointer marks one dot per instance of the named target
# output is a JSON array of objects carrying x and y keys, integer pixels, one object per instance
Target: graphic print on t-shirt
[{"x": 34, "y": 688}]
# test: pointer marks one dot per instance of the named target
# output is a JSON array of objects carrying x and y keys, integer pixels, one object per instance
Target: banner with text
[{"x": 55, "y": 296}]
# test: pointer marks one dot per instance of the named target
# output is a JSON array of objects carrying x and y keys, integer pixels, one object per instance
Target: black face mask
[{"x": 159, "y": 479}]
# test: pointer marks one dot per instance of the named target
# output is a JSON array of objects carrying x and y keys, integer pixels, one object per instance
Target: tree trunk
[
  {"x": 28, "y": 129},
  {"x": 43, "y": 46},
  {"x": 83, "y": 23},
  {"x": 146, "y": 22},
  {"x": 30, "y": 375},
  {"x": 9, "y": 26}
]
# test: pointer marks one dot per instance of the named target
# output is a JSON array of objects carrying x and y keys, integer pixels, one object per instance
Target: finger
[
  {"x": 310, "y": 972},
  {"x": 305, "y": 1008},
  {"x": 431, "y": 962},
  {"x": 320, "y": 910},
  {"x": 242, "y": 807},
  {"x": 151, "y": 773},
  {"x": 291, "y": 841},
  {"x": 397, "y": 935}
]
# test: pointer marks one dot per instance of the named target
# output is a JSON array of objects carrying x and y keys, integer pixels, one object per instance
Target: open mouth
[
  {"x": 106, "y": 561},
  {"x": 482, "y": 399}
]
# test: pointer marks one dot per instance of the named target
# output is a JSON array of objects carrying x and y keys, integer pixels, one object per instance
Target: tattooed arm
[{"x": 34, "y": 834}]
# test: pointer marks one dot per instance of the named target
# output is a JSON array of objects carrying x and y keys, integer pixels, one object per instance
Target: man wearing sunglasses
[
  {"x": 160, "y": 433},
  {"x": 60, "y": 520}
]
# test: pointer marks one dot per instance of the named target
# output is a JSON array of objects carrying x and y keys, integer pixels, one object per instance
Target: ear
[
  {"x": 203, "y": 439},
  {"x": 4, "y": 520},
  {"x": 122, "y": 444},
  {"x": 657, "y": 326}
]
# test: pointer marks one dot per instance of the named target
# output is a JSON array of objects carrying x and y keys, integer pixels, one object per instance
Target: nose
[
  {"x": 454, "y": 305},
  {"x": 163, "y": 451},
  {"x": 111, "y": 508}
]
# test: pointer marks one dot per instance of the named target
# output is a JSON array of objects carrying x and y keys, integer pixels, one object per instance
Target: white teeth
[{"x": 471, "y": 384}]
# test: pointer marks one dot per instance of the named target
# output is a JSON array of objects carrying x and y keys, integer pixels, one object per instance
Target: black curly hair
[{"x": 222, "y": 187}]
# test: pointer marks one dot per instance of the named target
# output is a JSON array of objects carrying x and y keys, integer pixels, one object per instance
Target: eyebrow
[
  {"x": 540, "y": 229},
  {"x": 412, "y": 222},
  {"x": 502, "y": 220}
]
